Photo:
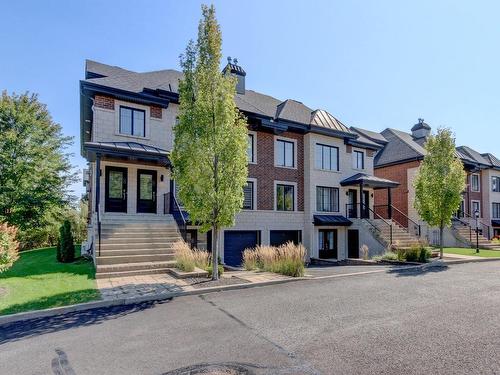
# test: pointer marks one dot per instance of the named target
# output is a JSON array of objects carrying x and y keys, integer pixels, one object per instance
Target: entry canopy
[
  {"x": 126, "y": 150},
  {"x": 369, "y": 181},
  {"x": 331, "y": 220}
]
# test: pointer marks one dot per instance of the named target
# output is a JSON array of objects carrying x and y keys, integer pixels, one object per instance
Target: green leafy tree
[
  {"x": 440, "y": 182},
  {"x": 35, "y": 171},
  {"x": 65, "y": 245},
  {"x": 209, "y": 154},
  {"x": 8, "y": 246}
]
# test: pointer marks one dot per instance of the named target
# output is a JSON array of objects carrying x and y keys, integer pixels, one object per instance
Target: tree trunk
[
  {"x": 215, "y": 253},
  {"x": 441, "y": 230}
]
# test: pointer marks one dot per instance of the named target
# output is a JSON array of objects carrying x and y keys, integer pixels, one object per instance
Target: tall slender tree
[
  {"x": 440, "y": 182},
  {"x": 209, "y": 155}
]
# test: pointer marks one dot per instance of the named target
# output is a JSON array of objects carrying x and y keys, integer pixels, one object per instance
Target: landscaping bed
[{"x": 37, "y": 281}]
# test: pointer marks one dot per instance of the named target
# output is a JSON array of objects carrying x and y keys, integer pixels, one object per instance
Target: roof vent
[
  {"x": 421, "y": 129},
  {"x": 234, "y": 69}
]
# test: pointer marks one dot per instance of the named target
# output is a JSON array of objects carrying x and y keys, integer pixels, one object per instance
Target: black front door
[
  {"x": 352, "y": 207},
  {"x": 146, "y": 191},
  {"x": 352, "y": 243},
  {"x": 328, "y": 243},
  {"x": 116, "y": 189},
  {"x": 365, "y": 211}
]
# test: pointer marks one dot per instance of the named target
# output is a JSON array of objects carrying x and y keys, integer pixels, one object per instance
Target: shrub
[
  {"x": 411, "y": 254},
  {"x": 424, "y": 255},
  {"x": 209, "y": 270},
  {"x": 65, "y": 244},
  {"x": 183, "y": 255},
  {"x": 201, "y": 258},
  {"x": 8, "y": 246},
  {"x": 389, "y": 255},
  {"x": 250, "y": 259}
]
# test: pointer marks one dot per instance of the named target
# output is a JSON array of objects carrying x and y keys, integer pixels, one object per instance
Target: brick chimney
[{"x": 234, "y": 69}]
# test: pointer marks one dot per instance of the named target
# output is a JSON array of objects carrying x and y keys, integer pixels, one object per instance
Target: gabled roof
[
  {"x": 401, "y": 146},
  {"x": 293, "y": 110},
  {"x": 495, "y": 162},
  {"x": 371, "y": 135},
  {"x": 473, "y": 154}
]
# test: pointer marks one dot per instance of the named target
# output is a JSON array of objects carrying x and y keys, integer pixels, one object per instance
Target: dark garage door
[
  {"x": 279, "y": 237},
  {"x": 234, "y": 244}
]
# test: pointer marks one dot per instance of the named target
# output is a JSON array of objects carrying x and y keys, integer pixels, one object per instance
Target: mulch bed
[{"x": 202, "y": 282}]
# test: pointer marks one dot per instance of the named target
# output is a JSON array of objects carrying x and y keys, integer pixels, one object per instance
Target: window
[
  {"x": 132, "y": 121},
  {"x": 327, "y": 243},
  {"x": 495, "y": 210},
  {"x": 358, "y": 160},
  {"x": 250, "y": 148},
  {"x": 286, "y": 152},
  {"x": 476, "y": 206},
  {"x": 285, "y": 196},
  {"x": 327, "y": 157},
  {"x": 327, "y": 199},
  {"x": 474, "y": 182},
  {"x": 248, "y": 196},
  {"x": 495, "y": 184}
]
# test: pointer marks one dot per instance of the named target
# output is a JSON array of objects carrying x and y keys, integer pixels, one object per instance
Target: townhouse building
[
  {"x": 311, "y": 178},
  {"x": 400, "y": 158}
]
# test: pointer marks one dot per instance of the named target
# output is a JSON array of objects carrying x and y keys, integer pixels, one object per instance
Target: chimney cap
[
  {"x": 420, "y": 125},
  {"x": 233, "y": 67}
]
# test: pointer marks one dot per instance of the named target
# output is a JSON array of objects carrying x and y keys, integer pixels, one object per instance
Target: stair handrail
[
  {"x": 419, "y": 230},
  {"x": 367, "y": 219},
  {"x": 183, "y": 224},
  {"x": 479, "y": 222}
]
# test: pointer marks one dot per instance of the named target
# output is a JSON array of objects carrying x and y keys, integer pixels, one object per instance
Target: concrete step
[
  {"x": 137, "y": 237},
  {"x": 113, "y": 274},
  {"x": 137, "y": 266},
  {"x": 128, "y": 259},
  {"x": 125, "y": 230},
  {"x": 121, "y": 240},
  {"x": 136, "y": 245},
  {"x": 133, "y": 251}
]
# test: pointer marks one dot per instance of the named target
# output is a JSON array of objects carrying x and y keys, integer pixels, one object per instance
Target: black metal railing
[
  {"x": 363, "y": 211},
  {"x": 172, "y": 206},
  {"x": 391, "y": 212},
  {"x": 470, "y": 222}
]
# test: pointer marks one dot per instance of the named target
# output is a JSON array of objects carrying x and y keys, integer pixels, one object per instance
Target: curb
[{"x": 13, "y": 318}]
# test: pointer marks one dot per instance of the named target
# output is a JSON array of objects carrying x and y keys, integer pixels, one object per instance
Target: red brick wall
[
  {"x": 155, "y": 111},
  {"x": 105, "y": 102},
  {"x": 473, "y": 195},
  {"x": 266, "y": 173},
  {"x": 399, "y": 195}
]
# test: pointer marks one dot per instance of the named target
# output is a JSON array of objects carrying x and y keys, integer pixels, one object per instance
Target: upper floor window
[
  {"x": 251, "y": 148},
  {"x": 248, "y": 203},
  {"x": 495, "y": 184},
  {"x": 285, "y": 197},
  {"x": 327, "y": 157},
  {"x": 358, "y": 160},
  {"x": 285, "y": 153},
  {"x": 474, "y": 182},
  {"x": 132, "y": 121},
  {"x": 327, "y": 199},
  {"x": 495, "y": 210}
]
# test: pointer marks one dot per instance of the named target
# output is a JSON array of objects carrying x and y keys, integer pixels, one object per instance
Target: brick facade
[
  {"x": 266, "y": 173},
  {"x": 105, "y": 102},
  {"x": 399, "y": 195},
  {"x": 473, "y": 195},
  {"x": 155, "y": 111}
]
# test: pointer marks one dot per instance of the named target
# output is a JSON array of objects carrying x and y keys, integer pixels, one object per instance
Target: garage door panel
[
  {"x": 280, "y": 237},
  {"x": 235, "y": 242}
]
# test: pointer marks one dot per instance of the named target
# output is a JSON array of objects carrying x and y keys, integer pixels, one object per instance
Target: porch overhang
[
  {"x": 331, "y": 220},
  {"x": 368, "y": 181},
  {"x": 130, "y": 151}
]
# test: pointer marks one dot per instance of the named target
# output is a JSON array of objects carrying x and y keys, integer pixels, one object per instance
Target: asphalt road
[{"x": 443, "y": 321}]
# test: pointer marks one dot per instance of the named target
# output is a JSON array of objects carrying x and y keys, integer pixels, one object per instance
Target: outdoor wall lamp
[{"x": 161, "y": 178}]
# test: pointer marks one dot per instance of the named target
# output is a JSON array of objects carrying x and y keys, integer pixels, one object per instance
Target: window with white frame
[
  {"x": 474, "y": 182},
  {"x": 327, "y": 199},
  {"x": 251, "y": 148},
  {"x": 248, "y": 191},
  {"x": 476, "y": 207},
  {"x": 285, "y": 153},
  {"x": 327, "y": 157},
  {"x": 358, "y": 160},
  {"x": 285, "y": 197},
  {"x": 132, "y": 121},
  {"x": 495, "y": 184},
  {"x": 495, "y": 210}
]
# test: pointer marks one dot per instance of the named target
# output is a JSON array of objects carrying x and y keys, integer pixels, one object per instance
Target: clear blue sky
[{"x": 372, "y": 64}]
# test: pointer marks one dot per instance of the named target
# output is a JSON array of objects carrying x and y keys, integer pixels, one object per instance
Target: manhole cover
[{"x": 214, "y": 369}]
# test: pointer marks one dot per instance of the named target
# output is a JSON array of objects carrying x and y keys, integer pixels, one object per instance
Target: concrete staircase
[
  {"x": 400, "y": 236},
  {"x": 463, "y": 232},
  {"x": 134, "y": 245}
]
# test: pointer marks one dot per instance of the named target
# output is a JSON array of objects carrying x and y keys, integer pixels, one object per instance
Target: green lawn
[
  {"x": 472, "y": 252},
  {"x": 38, "y": 281}
]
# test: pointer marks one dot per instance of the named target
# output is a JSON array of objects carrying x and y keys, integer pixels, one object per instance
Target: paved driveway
[{"x": 443, "y": 321}]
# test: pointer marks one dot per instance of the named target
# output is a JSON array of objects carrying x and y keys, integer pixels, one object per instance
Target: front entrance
[
  {"x": 365, "y": 211},
  {"x": 146, "y": 191},
  {"x": 115, "y": 199},
  {"x": 353, "y": 243},
  {"x": 328, "y": 243},
  {"x": 352, "y": 207}
]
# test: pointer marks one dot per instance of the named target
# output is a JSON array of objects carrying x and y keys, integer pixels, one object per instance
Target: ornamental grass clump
[
  {"x": 250, "y": 259},
  {"x": 9, "y": 247},
  {"x": 287, "y": 259},
  {"x": 184, "y": 257}
]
